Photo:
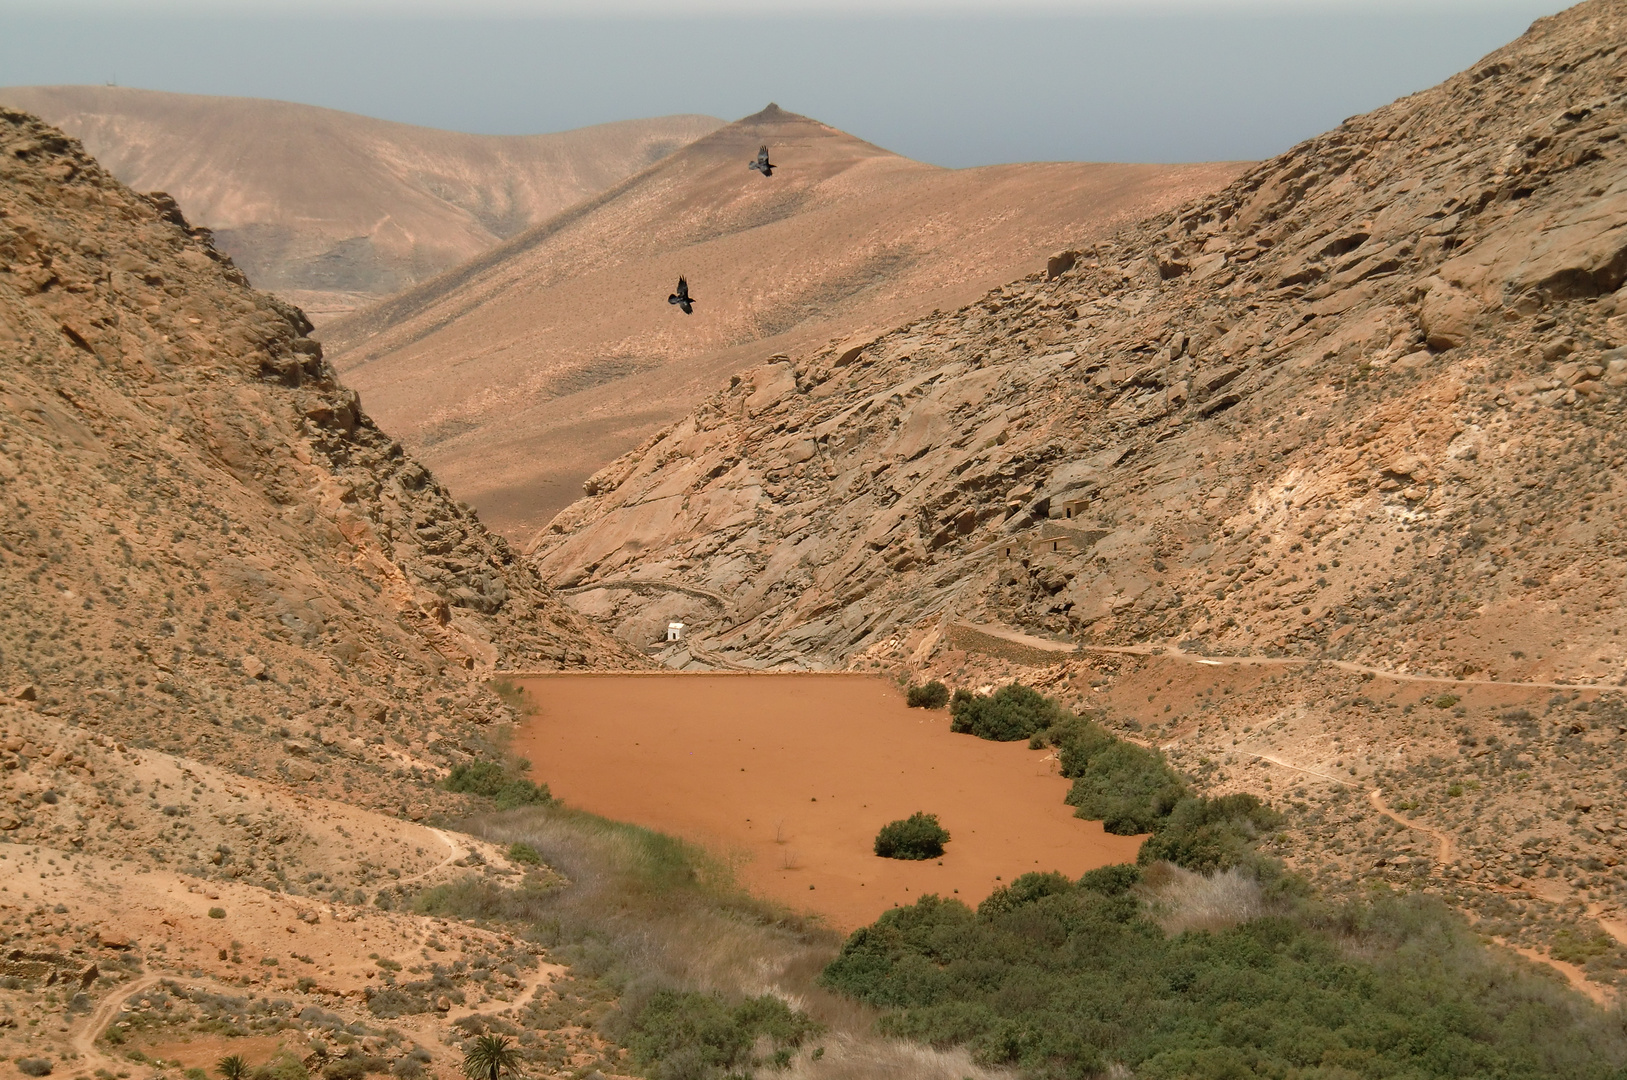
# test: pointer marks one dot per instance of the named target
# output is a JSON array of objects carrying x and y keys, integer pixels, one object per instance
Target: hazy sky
[{"x": 964, "y": 83}]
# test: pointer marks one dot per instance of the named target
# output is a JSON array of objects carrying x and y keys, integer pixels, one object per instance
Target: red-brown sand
[{"x": 790, "y": 777}]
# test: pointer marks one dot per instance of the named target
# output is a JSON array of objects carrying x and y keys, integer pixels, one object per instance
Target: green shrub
[
  {"x": 1010, "y": 713},
  {"x": 524, "y": 853},
  {"x": 1445, "y": 701},
  {"x": 932, "y": 695},
  {"x": 490, "y": 780},
  {"x": 217, "y": 913},
  {"x": 695, "y": 1036},
  {"x": 1066, "y": 980},
  {"x": 1206, "y": 834},
  {"x": 479, "y": 898},
  {"x": 34, "y": 1066},
  {"x": 390, "y": 1002},
  {"x": 284, "y": 1066},
  {"x": 1128, "y": 788},
  {"x": 918, "y": 836}
]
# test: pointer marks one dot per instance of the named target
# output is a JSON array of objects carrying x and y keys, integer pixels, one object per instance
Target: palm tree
[
  {"x": 232, "y": 1068},
  {"x": 488, "y": 1056}
]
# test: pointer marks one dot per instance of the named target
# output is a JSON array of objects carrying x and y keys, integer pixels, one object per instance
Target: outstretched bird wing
[
  {"x": 681, "y": 298},
  {"x": 762, "y": 156}
]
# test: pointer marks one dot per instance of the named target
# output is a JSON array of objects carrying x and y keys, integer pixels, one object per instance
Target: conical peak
[{"x": 770, "y": 114}]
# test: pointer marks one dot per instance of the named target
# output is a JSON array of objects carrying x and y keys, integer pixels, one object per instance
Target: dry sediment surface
[{"x": 789, "y": 777}]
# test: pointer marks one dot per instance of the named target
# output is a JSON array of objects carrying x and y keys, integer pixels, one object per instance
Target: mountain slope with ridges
[
  {"x": 1396, "y": 337},
  {"x": 205, "y": 518},
  {"x": 524, "y": 371},
  {"x": 332, "y": 210}
]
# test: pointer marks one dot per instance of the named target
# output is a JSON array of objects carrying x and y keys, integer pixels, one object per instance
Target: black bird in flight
[
  {"x": 681, "y": 297},
  {"x": 762, "y": 164}
]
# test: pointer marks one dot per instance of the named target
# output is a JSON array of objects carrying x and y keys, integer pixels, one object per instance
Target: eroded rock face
[
  {"x": 199, "y": 524},
  {"x": 1364, "y": 398}
]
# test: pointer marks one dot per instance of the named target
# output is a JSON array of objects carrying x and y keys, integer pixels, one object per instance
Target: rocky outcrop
[
  {"x": 1365, "y": 402},
  {"x": 200, "y": 528}
]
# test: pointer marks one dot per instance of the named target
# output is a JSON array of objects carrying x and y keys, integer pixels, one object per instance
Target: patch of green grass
[{"x": 636, "y": 913}]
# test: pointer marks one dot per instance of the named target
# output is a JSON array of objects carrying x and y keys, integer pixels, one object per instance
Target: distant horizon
[{"x": 1179, "y": 83}]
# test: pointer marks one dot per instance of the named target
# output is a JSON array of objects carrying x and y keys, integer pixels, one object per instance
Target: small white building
[{"x": 675, "y": 631}]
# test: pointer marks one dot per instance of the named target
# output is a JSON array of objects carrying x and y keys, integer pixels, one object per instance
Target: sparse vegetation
[
  {"x": 34, "y": 1066},
  {"x": 930, "y": 695},
  {"x": 511, "y": 694},
  {"x": 918, "y": 836},
  {"x": 644, "y": 915}
]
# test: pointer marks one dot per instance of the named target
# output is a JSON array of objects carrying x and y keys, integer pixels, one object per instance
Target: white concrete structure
[{"x": 675, "y": 631}]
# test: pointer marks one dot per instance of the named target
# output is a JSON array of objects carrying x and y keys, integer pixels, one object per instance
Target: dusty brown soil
[{"x": 790, "y": 776}]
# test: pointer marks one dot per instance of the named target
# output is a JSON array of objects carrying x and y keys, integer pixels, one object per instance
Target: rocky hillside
[
  {"x": 521, "y": 373},
  {"x": 244, "y": 637},
  {"x": 1365, "y": 403},
  {"x": 332, "y": 210},
  {"x": 205, "y": 544}
]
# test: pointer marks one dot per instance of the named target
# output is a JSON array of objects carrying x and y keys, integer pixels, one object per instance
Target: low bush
[
  {"x": 491, "y": 780},
  {"x": 932, "y": 695},
  {"x": 524, "y": 853},
  {"x": 1206, "y": 834},
  {"x": 390, "y": 1002},
  {"x": 1010, "y": 713},
  {"x": 481, "y": 898},
  {"x": 34, "y": 1066},
  {"x": 284, "y": 1066},
  {"x": 697, "y": 1036},
  {"x": 918, "y": 836}
]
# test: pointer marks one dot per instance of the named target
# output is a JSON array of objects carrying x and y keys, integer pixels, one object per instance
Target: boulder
[
  {"x": 299, "y": 770},
  {"x": 1447, "y": 316},
  {"x": 773, "y": 383}
]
